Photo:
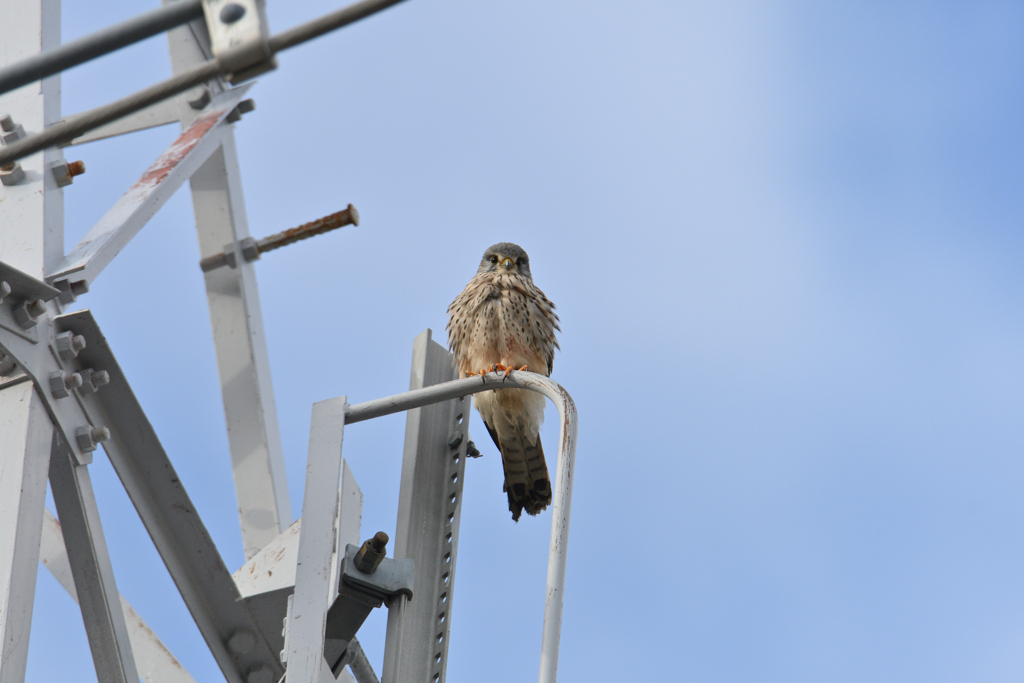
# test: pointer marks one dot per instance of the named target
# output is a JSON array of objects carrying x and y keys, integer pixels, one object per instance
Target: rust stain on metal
[
  {"x": 319, "y": 226},
  {"x": 185, "y": 143}
]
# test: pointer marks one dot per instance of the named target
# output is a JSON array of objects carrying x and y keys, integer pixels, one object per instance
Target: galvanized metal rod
[
  {"x": 73, "y": 127},
  {"x": 362, "y": 670},
  {"x": 100, "y": 43},
  {"x": 327, "y": 23},
  {"x": 557, "y": 551}
]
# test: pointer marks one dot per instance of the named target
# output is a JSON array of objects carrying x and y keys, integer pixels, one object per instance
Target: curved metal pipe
[{"x": 560, "y": 510}]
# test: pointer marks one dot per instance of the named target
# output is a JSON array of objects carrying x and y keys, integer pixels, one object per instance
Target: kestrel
[{"x": 503, "y": 321}]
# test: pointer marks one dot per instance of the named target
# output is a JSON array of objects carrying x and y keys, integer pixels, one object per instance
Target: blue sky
[{"x": 784, "y": 241}]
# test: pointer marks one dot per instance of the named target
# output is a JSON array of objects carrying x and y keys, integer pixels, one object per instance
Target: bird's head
[{"x": 505, "y": 257}]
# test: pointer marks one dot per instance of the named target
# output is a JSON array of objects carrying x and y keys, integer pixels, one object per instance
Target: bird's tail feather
[{"x": 526, "y": 476}]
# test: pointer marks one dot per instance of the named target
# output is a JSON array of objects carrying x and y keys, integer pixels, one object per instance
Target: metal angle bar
[
  {"x": 154, "y": 661},
  {"x": 143, "y": 199},
  {"x": 159, "y": 114},
  {"x": 91, "y": 568},
  {"x": 307, "y": 617},
  {"x": 243, "y": 363},
  {"x": 560, "y": 512},
  {"x": 100, "y": 43},
  {"x": 79, "y": 125},
  {"x": 429, "y": 510},
  {"x": 24, "y": 459},
  {"x": 178, "y": 533}
]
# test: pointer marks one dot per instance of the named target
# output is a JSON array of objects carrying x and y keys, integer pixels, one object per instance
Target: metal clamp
[
  {"x": 239, "y": 37},
  {"x": 389, "y": 579}
]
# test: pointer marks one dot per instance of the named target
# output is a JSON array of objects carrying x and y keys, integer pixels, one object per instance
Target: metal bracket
[
  {"x": 239, "y": 36},
  {"x": 391, "y": 577}
]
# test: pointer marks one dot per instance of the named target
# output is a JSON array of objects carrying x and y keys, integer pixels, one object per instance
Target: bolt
[
  {"x": 12, "y": 173},
  {"x": 70, "y": 291},
  {"x": 69, "y": 345},
  {"x": 242, "y": 641},
  {"x": 92, "y": 380},
  {"x": 454, "y": 440},
  {"x": 76, "y": 168},
  {"x": 5, "y": 289},
  {"x": 9, "y": 130},
  {"x": 61, "y": 383},
  {"x": 27, "y": 313},
  {"x": 201, "y": 100},
  {"x": 88, "y": 436},
  {"x": 372, "y": 553},
  {"x": 471, "y": 450},
  {"x": 7, "y": 364}
]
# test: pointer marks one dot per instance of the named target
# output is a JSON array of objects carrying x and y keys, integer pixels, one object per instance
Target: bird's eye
[{"x": 494, "y": 259}]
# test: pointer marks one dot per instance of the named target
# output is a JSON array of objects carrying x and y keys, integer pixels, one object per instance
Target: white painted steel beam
[
  {"x": 24, "y": 460},
  {"x": 90, "y": 566},
  {"x": 254, "y": 437},
  {"x": 159, "y": 496},
  {"x": 429, "y": 509},
  {"x": 31, "y": 240},
  {"x": 307, "y": 616},
  {"x": 161, "y": 180},
  {"x": 32, "y": 212},
  {"x": 153, "y": 660}
]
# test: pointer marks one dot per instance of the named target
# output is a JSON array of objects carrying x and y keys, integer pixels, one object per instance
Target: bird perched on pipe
[{"x": 503, "y": 322}]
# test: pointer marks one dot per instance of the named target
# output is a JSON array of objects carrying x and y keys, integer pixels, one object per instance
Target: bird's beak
[{"x": 507, "y": 263}]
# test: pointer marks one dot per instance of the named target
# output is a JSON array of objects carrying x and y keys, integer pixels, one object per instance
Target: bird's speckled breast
[{"x": 501, "y": 327}]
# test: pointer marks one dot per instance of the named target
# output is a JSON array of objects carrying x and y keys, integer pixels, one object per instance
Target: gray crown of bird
[{"x": 502, "y": 321}]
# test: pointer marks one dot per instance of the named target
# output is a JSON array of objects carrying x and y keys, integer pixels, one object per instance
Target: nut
[{"x": 69, "y": 345}]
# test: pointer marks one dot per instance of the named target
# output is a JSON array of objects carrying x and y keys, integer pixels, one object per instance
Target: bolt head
[
  {"x": 454, "y": 440},
  {"x": 58, "y": 384},
  {"x": 69, "y": 344},
  {"x": 242, "y": 641}
]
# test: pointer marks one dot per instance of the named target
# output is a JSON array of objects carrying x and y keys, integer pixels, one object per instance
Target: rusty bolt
[
  {"x": 76, "y": 168},
  {"x": 372, "y": 553},
  {"x": 11, "y": 174}
]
